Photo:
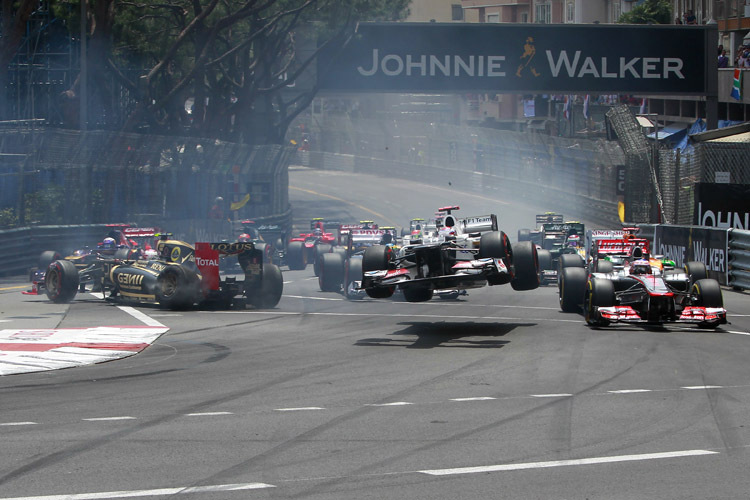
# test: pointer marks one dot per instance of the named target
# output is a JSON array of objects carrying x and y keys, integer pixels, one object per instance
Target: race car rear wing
[
  {"x": 478, "y": 224},
  {"x": 549, "y": 218},
  {"x": 620, "y": 246},
  {"x": 207, "y": 259},
  {"x": 140, "y": 232}
]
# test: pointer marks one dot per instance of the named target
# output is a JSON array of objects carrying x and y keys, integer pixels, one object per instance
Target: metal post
[{"x": 82, "y": 90}]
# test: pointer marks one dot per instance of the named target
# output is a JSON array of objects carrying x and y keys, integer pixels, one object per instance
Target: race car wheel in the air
[
  {"x": 525, "y": 267},
  {"x": 599, "y": 293},
  {"x": 572, "y": 287},
  {"x": 413, "y": 294},
  {"x": 331, "y": 272},
  {"x": 175, "y": 289},
  {"x": 696, "y": 271},
  {"x": 494, "y": 245},
  {"x": 295, "y": 256},
  {"x": 61, "y": 281},
  {"x": 271, "y": 288}
]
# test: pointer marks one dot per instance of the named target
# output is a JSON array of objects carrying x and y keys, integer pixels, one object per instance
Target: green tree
[
  {"x": 649, "y": 12},
  {"x": 230, "y": 69}
]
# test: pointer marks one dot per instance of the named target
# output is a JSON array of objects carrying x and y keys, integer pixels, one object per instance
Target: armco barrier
[{"x": 739, "y": 259}]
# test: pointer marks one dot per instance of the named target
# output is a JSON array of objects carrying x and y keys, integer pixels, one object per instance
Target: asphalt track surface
[{"x": 496, "y": 395}]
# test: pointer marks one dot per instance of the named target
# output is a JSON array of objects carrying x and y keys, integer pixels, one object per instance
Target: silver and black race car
[
  {"x": 181, "y": 277},
  {"x": 470, "y": 253}
]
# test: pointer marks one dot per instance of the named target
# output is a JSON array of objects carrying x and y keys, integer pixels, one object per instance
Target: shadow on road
[{"x": 446, "y": 334}]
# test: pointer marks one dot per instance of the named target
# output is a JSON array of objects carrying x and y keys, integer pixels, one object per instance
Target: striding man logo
[{"x": 529, "y": 51}]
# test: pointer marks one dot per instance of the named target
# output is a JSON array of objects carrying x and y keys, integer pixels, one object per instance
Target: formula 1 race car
[
  {"x": 644, "y": 290},
  {"x": 182, "y": 276},
  {"x": 303, "y": 249},
  {"x": 470, "y": 253}
]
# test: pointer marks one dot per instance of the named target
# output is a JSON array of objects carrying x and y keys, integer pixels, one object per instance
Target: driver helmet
[
  {"x": 244, "y": 238},
  {"x": 386, "y": 239},
  {"x": 150, "y": 254},
  {"x": 317, "y": 232},
  {"x": 574, "y": 241},
  {"x": 108, "y": 244},
  {"x": 640, "y": 266}
]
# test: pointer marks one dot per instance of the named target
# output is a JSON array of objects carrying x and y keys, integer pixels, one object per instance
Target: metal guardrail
[{"x": 739, "y": 259}]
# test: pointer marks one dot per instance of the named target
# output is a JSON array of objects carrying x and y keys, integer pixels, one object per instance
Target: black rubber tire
[
  {"x": 494, "y": 245},
  {"x": 604, "y": 266},
  {"x": 295, "y": 256},
  {"x": 572, "y": 287},
  {"x": 707, "y": 293},
  {"x": 377, "y": 258},
  {"x": 61, "y": 281},
  {"x": 545, "y": 260},
  {"x": 266, "y": 250},
  {"x": 352, "y": 273},
  {"x": 318, "y": 252},
  {"x": 331, "y": 272},
  {"x": 570, "y": 260},
  {"x": 525, "y": 267},
  {"x": 271, "y": 288},
  {"x": 696, "y": 271},
  {"x": 524, "y": 235},
  {"x": 123, "y": 254},
  {"x": 380, "y": 293},
  {"x": 601, "y": 293},
  {"x": 176, "y": 288},
  {"x": 48, "y": 257},
  {"x": 413, "y": 294}
]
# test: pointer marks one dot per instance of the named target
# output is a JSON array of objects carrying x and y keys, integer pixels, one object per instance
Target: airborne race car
[
  {"x": 641, "y": 290},
  {"x": 180, "y": 278},
  {"x": 463, "y": 258}
]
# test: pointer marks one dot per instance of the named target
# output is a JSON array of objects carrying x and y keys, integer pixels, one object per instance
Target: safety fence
[{"x": 739, "y": 259}]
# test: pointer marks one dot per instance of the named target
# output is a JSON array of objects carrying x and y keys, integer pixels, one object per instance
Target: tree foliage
[
  {"x": 230, "y": 69},
  {"x": 649, "y": 12}
]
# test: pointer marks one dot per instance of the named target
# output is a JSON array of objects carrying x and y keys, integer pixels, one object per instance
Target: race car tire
[
  {"x": 545, "y": 264},
  {"x": 572, "y": 287},
  {"x": 176, "y": 288},
  {"x": 415, "y": 294},
  {"x": 331, "y": 273},
  {"x": 295, "y": 256},
  {"x": 352, "y": 273},
  {"x": 61, "y": 281},
  {"x": 494, "y": 245},
  {"x": 377, "y": 258},
  {"x": 599, "y": 293},
  {"x": 48, "y": 257},
  {"x": 318, "y": 252},
  {"x": 707, "y": 293},
  {"x": 266, "y": 250},
  {"x": 696, "y": 271},
  {"x": 570, "y": 260},
  {"x": 525, "y": 267},
  {"x": 604, "y": 266},
  {"x": 271, "y": 288},
  {"x": 524, "y": 235},
  {"x": 124, "y": 254}
]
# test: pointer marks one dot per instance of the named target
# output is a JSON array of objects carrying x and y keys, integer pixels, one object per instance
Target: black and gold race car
[{"x": 182, "y": 276}]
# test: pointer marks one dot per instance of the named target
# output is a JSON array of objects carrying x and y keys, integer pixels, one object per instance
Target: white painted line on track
[
  {"x": 105, "y": 419},
  {"x": 551, "y": 395},
  {"x": 629, "y": 391},
  {"x": 698, "y": 387},
  {"x": 562, "y": 463},
  {"x": 18, "y": 423},
  {"x": 396, "y": 403},
  {"x": 480, "y": 398},
  {"x": 98, "y": 295},
  {"x": 140, "y": 316},
  {"x": 306, "y": 408},
  {"x": 739, "y": 333},
  {"x": 184, "y": 490},
  {"x": 210, "y": 414}
]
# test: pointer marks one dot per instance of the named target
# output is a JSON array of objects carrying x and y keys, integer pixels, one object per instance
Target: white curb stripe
[
  {"x": 145, "y": 319},
  {"x": 146, "y": 493}
]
